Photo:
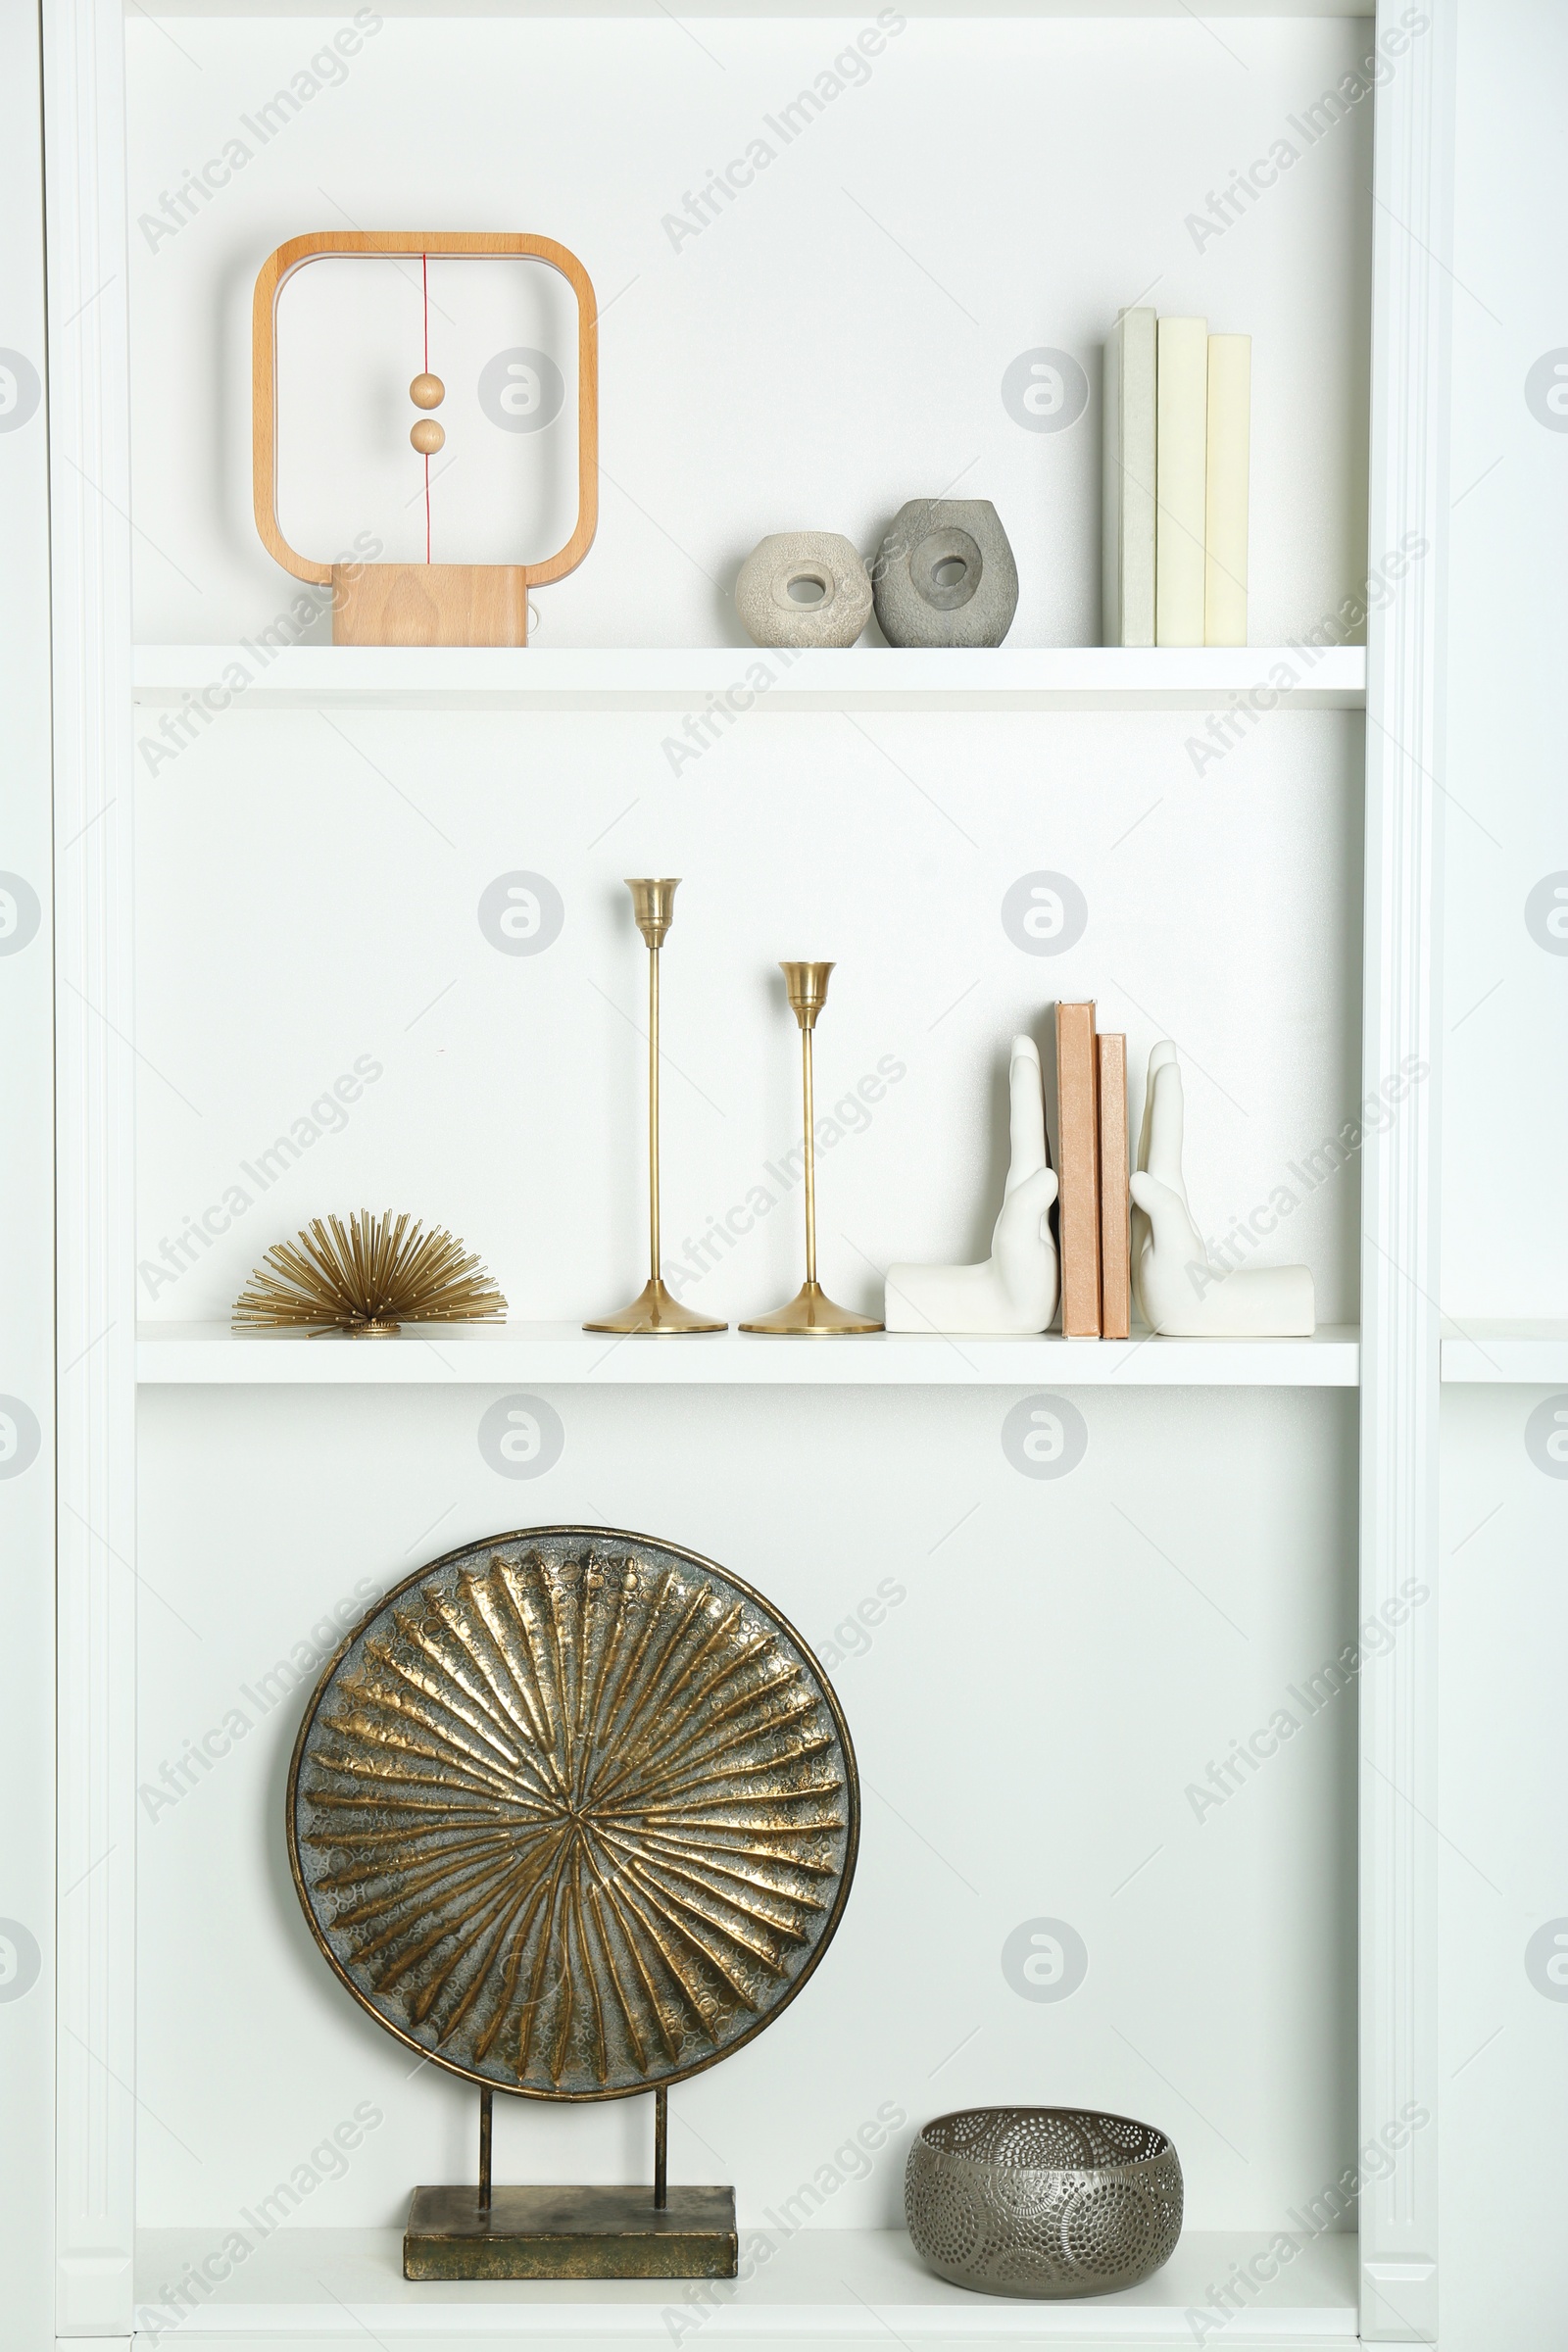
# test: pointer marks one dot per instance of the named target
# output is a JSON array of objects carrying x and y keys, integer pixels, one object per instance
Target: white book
[
  {"x": 1180, "y": 469},
  {"x": 1127, "y": 546},
  {"x": 1230, "y": 430}
]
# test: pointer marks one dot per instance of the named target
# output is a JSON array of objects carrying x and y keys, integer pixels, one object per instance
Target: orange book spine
[
  {"x": 1078, "y": 1123},
  {"x": 1115, "y": 1242}
]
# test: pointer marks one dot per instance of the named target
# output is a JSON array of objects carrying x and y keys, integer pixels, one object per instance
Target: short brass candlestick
[
  {"x": 811, "y": 1310},
  {"x": 654, "y": 1310}
]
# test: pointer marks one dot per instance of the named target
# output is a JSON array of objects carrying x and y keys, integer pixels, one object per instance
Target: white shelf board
[
  {"x": 843, "y": 2285},
  {"x": 865, "y": 677},
  {"x": 745, "y": 10},
  {"x": 555, "y": 1354},
  {"x": 1529, "y": 1353}
]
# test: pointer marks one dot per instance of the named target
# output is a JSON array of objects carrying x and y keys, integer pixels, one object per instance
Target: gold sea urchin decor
[
  {"x": 573, "y": 1813},
  {"x": 367, "y": 1280}
]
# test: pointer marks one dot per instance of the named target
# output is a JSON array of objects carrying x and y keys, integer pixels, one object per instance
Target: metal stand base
[
  {"x": 811, "y": 1310},
  {"x": 654, "y": 1311},
  {"x": 570, "y": 2233}
]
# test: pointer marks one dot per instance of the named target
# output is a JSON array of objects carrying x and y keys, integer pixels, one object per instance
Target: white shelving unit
[
  {"x": 1520, "y": 1354},
  {"x": 852, "y": 2286},
  {"x": 548, "y": 1355},
  {"x": 267, "y": 862},
  {"x": 860, "y": 678}
]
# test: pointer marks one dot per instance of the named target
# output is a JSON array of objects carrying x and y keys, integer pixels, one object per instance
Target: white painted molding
[
  {"x": 27, "y": 1219},
  {"x": 1412, "y": 192},
  {"x": 95, "y": 1186}
]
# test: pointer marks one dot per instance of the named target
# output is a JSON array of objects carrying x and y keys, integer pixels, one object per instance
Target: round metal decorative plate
[{"x": 575, "y": 1812}]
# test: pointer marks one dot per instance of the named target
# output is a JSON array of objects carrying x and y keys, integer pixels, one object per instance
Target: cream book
[
  {"x": 1230, "y": 433},
  {"x": 1127, "y": 510},
  {"x": 1179, "y": 469}
]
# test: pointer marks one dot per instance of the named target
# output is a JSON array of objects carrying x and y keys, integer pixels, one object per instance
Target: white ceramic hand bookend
[
  {"x": 1016, "y": 1290},
  {"x": 1181, "y": 1292}
]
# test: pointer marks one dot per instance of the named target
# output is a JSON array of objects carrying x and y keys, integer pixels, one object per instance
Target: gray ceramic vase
[
  {"x": 803, "y": 588},
  {"x": 1046, "y": 2202},
  {"x": 944, "y": 575}
]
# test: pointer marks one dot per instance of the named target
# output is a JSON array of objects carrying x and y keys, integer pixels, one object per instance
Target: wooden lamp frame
[{"x": 422, "y": 604}]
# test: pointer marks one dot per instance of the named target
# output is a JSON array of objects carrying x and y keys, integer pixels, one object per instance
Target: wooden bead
[
  {"x": 427, "y": 391},
  {"x": 427, "y": 436}
]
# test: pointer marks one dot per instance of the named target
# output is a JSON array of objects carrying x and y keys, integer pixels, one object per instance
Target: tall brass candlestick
[
  {"x": 811, "y": 1310},
  {"x": 654, "y": 1310}
]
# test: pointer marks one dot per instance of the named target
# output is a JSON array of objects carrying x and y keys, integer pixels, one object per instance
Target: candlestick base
[
  {"x": 812, "y": 1311},
  {"x": 655, "y": 1314}
]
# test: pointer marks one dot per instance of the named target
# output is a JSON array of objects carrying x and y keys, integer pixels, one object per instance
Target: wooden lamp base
[
  {"x": 429, "y": 604},
  {"x": 422, "y": 604}
]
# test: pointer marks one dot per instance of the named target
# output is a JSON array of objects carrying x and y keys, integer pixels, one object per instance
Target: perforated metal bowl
[{"x": 1043, "y": 2201}]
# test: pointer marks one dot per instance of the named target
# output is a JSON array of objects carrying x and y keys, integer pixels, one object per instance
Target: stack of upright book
[
  {"x": 1177, "y": 404},
  {"x": 1091, "y": 1178}
]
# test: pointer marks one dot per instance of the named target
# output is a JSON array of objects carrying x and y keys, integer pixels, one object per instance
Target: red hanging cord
[{"x": 425, "y": 286}]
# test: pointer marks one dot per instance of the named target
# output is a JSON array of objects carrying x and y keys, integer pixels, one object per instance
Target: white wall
[
  {"x": 1505, "y": 1119},
  {"x": 1504, "y": 1824},
  {"x": 309, "y": 896},
  {"x": 1505, "y": 1126},
  {"x": 1022, "y": 1757},
  {"x": 829, "y": 346}
]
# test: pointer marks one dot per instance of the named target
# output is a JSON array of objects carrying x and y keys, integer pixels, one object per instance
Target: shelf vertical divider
[
  {"x": 1401, "y": 1328},
  {"x": 90, "y": 618}
]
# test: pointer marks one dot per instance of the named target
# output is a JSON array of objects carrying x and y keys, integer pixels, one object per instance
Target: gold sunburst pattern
[
  {"x": 367, "y": 1279},
  {"x": 573, "y": 1811}
]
